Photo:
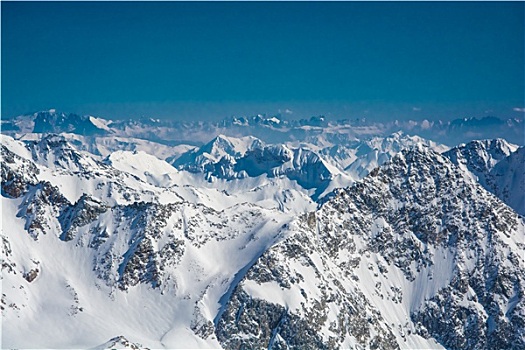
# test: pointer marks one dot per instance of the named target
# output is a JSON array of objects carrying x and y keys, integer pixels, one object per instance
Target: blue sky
[{"x": 212, "y": 60}]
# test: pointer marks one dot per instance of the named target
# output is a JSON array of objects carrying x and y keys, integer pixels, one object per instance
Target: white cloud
[
  {"x": 425, "y": 124},
  {"x": 416, "y": 109},
  {"x": 518, "y": 109},
  {"x": 286, "y": 111}
]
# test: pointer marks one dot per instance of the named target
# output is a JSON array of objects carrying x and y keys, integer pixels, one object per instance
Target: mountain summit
[{"x": 415, "y": 255}]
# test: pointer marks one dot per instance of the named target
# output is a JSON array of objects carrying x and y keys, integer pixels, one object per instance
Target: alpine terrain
[{"x": 262, "y": 232}]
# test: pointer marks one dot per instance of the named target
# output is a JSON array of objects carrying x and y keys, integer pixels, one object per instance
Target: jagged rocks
[
  {"x": 139, "y": 265},
  {"x": 31, "y": 275},
  {"x": 84, "y": 211},
  {"x": 323, "y": 313},
  {"x": 7, "y": 265},
  {"x": 157, "y": 237},
  {"x": 17, "y": 174},
  {"x": 120, "y": 342},
  {"x": 497, "y": 165},
  {"x": 41, "y": 208},
  {"x": 417, "y": 226},
  {"x": 250, "y": 323}
]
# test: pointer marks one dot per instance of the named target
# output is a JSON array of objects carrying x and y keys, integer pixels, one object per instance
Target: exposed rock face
[
  {"x": 17, "y": 174},
  {"x": 420, "y": 237},
  {"x": 41, "y": 208},
  {"x": 31, "y": 275},
  {"x": 85, "y": 210},
  {"x": 497, "y": 165},
  {"x": 278, "y": 329}
]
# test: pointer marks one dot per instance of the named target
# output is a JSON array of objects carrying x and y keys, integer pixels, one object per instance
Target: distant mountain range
[{"x": 272, "y": 129}]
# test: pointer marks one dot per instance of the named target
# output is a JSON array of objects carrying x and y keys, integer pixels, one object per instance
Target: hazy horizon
[
  {"x": 209, "y": 61},
  {"x": 290, "y": 111}
]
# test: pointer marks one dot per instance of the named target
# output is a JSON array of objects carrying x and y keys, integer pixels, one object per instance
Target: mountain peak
[
  {"x": 52, "y": 121},
  {"x": 478, "y": 157},
  {"x": 416, "y": 237}
]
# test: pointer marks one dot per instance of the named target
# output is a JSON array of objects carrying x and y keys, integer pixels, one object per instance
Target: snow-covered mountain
[
  {"x": 508, "y": 177},
  {"x": 103, "y": 146},
  {"x": 91, "y": 255},
  {"x": 478, "y": 157},
  {"x": 336, "y": 237},
  {"x": 231, "y": 158},
  {"x": 378, "y": 150},
  {"x": 417, "y": 255},
  {"x": 58, "y": 122},
  {"x": 320, "y": 166},
  {"x": 125, "y": 177},
  {"x": 481, "y": 160},
  {"x": 271, "y": 129},
  {"x": 220, "y": 149}
]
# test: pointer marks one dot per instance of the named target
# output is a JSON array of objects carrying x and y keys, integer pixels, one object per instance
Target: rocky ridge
[
  {"x": 416, "y": 236},
  {"x": 497, "y": 165}
]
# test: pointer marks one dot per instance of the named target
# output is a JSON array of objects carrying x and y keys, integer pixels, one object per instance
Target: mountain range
[
  {"x": 262, "y": 232},
  {"x": 272, "y": 129}
]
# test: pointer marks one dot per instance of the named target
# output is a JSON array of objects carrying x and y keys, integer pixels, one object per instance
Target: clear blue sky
[{"x": 211, "y": 60}]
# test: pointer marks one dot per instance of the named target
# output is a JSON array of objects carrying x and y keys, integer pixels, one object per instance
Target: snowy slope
[
  {"x": 479, "y": 158},
  {"x": 167, "y": 265},
  {"x": 141, "y": 164},
  {"x": 378, "y": 150},
  {"x": 508, "y": 180},
  {"x": 81, "y": 260},
  {"x": 103, "y": 146}
]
